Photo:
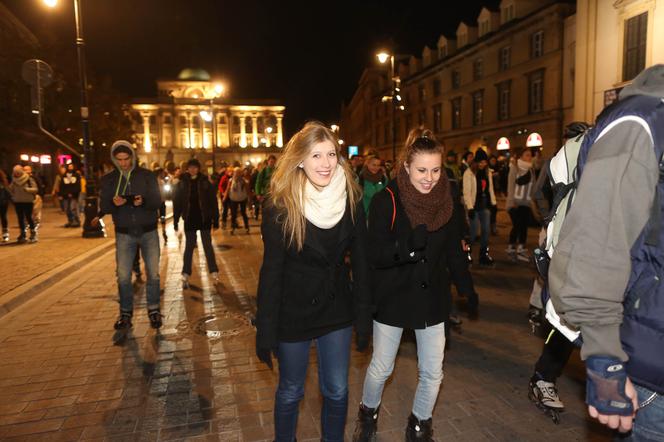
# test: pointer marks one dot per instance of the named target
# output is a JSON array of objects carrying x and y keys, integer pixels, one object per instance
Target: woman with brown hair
[
  {"x": 312, "y": 219},
  {"x": 414, "y": 251}
]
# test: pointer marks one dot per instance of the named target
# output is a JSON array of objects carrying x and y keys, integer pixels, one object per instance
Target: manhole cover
[
  {"x": 224, "y": 247},
  {"x": 215, "y": 327}
]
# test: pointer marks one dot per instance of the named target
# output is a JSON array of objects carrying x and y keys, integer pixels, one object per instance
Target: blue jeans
[
  {"x": 430, "y": 353},
  {"x": 125, "y": 252},
  {"x": 481, "y": 221},
  {"x": 649, "y": 421},
  {"x": 71, "y": 207},
  {"x": 333, "y": 358}
]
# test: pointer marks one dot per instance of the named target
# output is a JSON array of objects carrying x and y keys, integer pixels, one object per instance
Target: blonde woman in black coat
[{"x": 312, "y": 220}]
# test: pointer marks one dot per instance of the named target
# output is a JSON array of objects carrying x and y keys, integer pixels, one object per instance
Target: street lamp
[
  {"x": 89, "y": 231},
  {"x": 394, "y": 97}
]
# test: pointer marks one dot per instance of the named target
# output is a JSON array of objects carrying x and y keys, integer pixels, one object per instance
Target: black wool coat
[
  {"x": 306, "y": 294},
  {"x": 412, "y": 291},
  {"x": 207, "y": 201}
]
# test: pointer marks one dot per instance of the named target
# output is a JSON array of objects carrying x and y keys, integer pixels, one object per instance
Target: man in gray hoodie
[
  {"x": 605, "y": 273},
  {"x": 131, "y": 195}
]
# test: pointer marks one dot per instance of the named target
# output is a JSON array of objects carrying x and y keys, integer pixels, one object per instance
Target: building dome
[{"x": 194, "y": 74}]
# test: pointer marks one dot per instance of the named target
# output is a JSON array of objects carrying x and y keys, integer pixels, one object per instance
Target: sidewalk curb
[{"x": 24, "y": 292}]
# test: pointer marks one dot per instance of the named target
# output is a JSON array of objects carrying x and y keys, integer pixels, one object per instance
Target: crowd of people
[{"x": 375, "y": 246}]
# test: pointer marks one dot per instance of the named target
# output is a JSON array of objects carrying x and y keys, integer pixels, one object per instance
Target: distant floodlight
[{"x": 382, "y": 57}]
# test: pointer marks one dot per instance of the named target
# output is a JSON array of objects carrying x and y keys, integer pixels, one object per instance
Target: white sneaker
[
  {"x": 185, "y": 281},
  {"x": 511, "y": 253},
  {"x": 522, "y": 254}
]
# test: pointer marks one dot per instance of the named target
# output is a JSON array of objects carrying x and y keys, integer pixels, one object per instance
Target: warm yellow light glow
[
  {"x": 341, "y": 142},
  {"x": 383, "y": 57},
  {"x": 269, "y": 129},
  {"x": 335, "y": 128},
  {"x": 206, "y": 116},
  {"x": 51, "y": 3},
  {"x": 219, "y": 88}
]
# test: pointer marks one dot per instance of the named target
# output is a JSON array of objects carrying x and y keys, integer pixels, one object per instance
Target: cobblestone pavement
[
  {"x": 63, "y": 379},
  {"x": 56, "y": 246}
]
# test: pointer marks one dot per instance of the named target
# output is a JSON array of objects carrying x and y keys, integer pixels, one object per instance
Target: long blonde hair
[{"x": 288, "y": 180}]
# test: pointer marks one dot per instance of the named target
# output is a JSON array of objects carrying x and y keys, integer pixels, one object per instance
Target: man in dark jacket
[
  {"x": 605, "y": 274},
  {"x": 131, "y": 195},
  {"x": 197, "y": 205},
  {"x": 70, "y": 189}
]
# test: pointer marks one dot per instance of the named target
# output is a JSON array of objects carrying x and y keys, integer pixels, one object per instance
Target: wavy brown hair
[{"x": 287, "y": 182}]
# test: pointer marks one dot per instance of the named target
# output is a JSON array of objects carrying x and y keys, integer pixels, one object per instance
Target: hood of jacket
[
  {"x": 649, "y": 82},
  {"x": 118, "y": 144}
]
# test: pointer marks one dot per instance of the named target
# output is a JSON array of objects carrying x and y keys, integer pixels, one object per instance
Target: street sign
[
  {"x": 503, "y": 144},
  {"x": 534, "y": 140},
  {"x": 37, "y": 74}
]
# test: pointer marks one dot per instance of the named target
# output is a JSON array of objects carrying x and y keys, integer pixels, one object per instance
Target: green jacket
[
  {"x": 263, "y": 180},
  {"x": 369, "y": 189}
]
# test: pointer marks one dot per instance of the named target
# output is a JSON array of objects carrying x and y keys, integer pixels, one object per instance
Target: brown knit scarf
[{"x": 434, "y": 209}]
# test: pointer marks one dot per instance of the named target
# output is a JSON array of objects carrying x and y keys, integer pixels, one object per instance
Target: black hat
[
  {"x": 194, "y": 162},
  {"x": 480, "y": 155}
]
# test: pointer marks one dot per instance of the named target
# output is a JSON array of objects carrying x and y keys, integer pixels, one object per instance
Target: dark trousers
[
  {"x": 206, "y": 239},
  {"x": 3, "y": 214},
  {"x": 242, "y": 205},
  {"x": 333, "y": 357},
  {"x": 24, "y": 213},
  {"x": 554, "y": 357},
  {"x": 226, "y": 205},
  {"x": 520, "y": 216}
]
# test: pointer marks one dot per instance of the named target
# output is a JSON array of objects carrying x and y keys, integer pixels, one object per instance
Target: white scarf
[
  {"x": 325, "y": 208},
  {"x": 524, "y": 165}
]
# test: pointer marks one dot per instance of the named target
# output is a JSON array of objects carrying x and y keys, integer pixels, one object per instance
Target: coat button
[
  {"x": 314, "y": 301},
  {"x": 423, "y": 260},
  {"x": 424, "y": 285}
]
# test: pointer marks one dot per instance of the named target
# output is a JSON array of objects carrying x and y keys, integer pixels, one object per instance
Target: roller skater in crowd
[
  {"x": 557, "y": 349},
  {"x": 414, "y": 245},
  {"x": 479, "y": 197},
  {"x": 604, "y": 274},
  {"x": 311, "y": 221},
  {"x": 519, "y": 195},
  {"x": 197, "y": 205},
  {"x": 70, "y": 189},
  {"x": 237, "y": 193},
  {"x": 131, "y": 195},
  {"x": 39, "y": 200},
  {"x": 223, "y": 187},
  {"x": 23, "y": 190}
]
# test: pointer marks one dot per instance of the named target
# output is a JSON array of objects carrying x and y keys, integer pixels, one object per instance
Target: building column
[
  {"x": 268, "y": 135},
  {"x": 243, "y": 132},
  {"x": 280, "y": 134},
  {"x": 147, "y": 142},
  {"x": 254, "y": 131},
  {"x": 189, "y": 139}
]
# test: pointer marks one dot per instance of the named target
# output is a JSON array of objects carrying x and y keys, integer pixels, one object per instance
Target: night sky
[{"x": 309, "y": 55}]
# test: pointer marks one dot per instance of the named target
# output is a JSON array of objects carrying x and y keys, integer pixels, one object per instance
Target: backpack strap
[
  {"x": 656, "y": 211},
  {"x": 394, "y": 207}
]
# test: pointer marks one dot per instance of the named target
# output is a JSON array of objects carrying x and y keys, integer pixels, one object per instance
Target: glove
[
  {"x": 265, "y": 355},
  {"x": 362, "y": 342},
  {"x": 471, "y": 213},
  {"x": 418, "y": 238},
  {"x": 605, "y": 386}
]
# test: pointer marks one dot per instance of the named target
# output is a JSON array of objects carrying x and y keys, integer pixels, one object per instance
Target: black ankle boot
[
  {"x": 419, "y": 431},
  {"x": 366, "y": 425}
]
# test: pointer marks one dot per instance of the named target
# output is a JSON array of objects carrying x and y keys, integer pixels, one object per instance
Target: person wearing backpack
[
  {"x": 237, "y": 193},
  {"x": 557, "y": 349},
  {"x": 605, "y": 274},
  {"x": 197, "y": 204},
  {"x": 519, "y": 191},
  {"x": 414, "y": 252},
  {"x": 23, "y": 189}
]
